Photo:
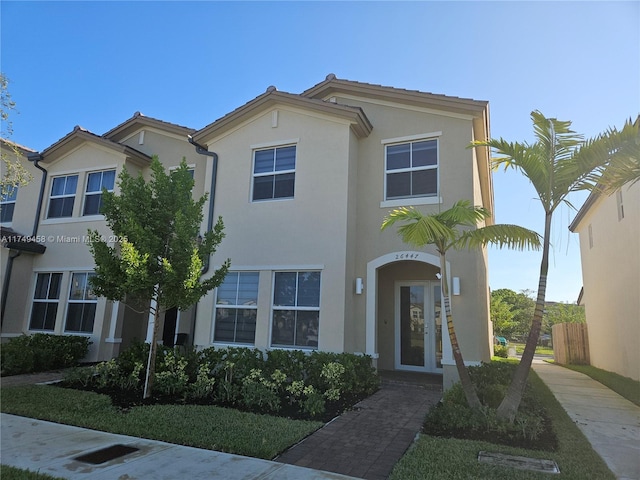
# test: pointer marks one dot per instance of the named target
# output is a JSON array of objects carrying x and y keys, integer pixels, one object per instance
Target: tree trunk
[
  {"x": 509, "y": 405},
  {"x": 151, "y": 362},
  {"x": 463, "y": 373}
]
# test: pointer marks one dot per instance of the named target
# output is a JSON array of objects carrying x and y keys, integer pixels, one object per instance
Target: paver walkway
[{"x": 368, "y": 441}]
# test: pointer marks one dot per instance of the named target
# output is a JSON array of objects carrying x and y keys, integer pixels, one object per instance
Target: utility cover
[
  {"x": 106, "y": 454},
  {"x": 522, "y": 463}
]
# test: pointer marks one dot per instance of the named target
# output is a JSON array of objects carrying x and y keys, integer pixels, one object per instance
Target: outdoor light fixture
[
  {"x": 438, "y": 276},
  {"x": 456, "y": 285},
  {"x": 359, "y": 286}
]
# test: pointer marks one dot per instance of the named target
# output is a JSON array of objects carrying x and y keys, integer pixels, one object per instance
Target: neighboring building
[
  {"x": 609, "y": 230},
  {"x": 303, "y": 182}
]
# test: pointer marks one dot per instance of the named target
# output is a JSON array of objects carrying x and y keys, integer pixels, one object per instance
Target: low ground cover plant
[
  {"x": 453, "y": 418},
  {"x": 290, "y": 383},
  {"x": 41, "y": 352}
]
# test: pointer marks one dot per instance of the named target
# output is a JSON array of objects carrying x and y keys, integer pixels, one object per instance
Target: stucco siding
[{"x": 611, "y": 276}]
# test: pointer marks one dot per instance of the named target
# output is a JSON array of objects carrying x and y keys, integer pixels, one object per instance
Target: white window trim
[
  {"x": 86, "y": 194},
  {"x": 418, "y": 200},
  {"x": 10, "y": 202},
  {"x": 70, "y": 301},
  {"x": 275, "y": 308},
  {"x": 68, "y": 195},
  {"x": 44, "y": 300},
  {"x": 270, "y": 146},
  {"x": 244, "y": 307}
]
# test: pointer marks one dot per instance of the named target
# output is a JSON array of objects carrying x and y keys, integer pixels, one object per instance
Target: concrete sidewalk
[
  {"x": 610, "y": 422},
  {"x": 51, "y": 448}
]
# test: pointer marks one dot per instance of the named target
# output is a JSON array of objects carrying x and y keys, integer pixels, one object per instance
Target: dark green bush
[
  {"x": 453, "y": 417},
  {"x": 241, "y": 377},
  {"x": 41, "y": 352}
]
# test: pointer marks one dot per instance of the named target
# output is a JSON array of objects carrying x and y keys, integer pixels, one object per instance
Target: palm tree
[
  {"x": 557, "y": 163},
  {"x": 443, "y": 230}
]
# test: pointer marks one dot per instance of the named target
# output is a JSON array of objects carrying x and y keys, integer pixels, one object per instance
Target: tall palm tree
[
  {"x": 558, "y": 163},
  {"x": 444, "y": 230}
]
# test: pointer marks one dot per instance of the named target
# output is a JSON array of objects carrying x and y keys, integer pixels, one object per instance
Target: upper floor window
[
  {"x": 63, "y": 195},
  {"x": 411, "y": 169},
  {"x": 45, "y": 301},
  {"x": 81, "y": 309},
  {"x": 96, "y": 181},
  {"x": 296, "y": 309},
  {"x": 8, "y": 204},
  {"x": 274, "y": 173},
  {"x": 237, "y": 308},
  {"x": 620, "y": 204}
]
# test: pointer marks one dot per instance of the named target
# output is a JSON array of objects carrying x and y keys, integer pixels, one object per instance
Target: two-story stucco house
[
  {"x": 609, "y": 232},
  {"x": 303, "y": 182}
]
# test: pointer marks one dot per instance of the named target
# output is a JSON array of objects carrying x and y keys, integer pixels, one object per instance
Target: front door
[{"x": 418, "y": 326}]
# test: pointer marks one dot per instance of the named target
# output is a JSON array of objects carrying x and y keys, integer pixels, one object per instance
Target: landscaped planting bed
[{"x": 292, "y": 383}]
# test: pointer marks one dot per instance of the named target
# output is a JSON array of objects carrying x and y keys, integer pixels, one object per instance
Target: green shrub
[
  {"x": 453, "y": 417},
  {"x": 41, "y": 352},
  {"x": 500, "y": 351},
  {"x": 171, "y": 376}
]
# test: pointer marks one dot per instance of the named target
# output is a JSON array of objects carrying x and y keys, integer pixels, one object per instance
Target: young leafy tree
[
  {"x": 558, "y": 163},
  {"x": 160, "y": 257},
  {"x": 457, "y": 228},
  {"x": 14, "y": 174}
]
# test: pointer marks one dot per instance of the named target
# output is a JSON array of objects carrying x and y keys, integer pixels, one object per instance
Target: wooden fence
[{"x": 570, "y": 343}]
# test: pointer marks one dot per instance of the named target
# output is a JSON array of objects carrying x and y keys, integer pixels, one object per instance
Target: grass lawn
[
  {"x": 12, "y": 473},
  {"x": 201, "y": 426},
  {"x": 624, "y": 386},
  {"x": 540, "y": 350},
  {"x": 452, "y": 459}
]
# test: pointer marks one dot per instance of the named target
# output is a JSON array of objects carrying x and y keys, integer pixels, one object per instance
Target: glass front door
[{"x": 418, "y": 326}]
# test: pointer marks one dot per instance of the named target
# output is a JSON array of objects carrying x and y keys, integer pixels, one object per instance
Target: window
[
  {"x": 8, "y": 204},
  {"x": 620, "y": 202},
  {"x": 81, "y": 310},
  {"x": 96, "y": 181},
  {"x": 63, "y": 194},
  {"x": 412, "y": 169},
  {"x": 296, "y": 309},
  {"x": 274, "y": 173},
  {"x": 45, "y": 301},
  {"x": 236, "y": 308}
]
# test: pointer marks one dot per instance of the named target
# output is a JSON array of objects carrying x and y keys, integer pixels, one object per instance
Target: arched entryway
[{"x": 404, "y": 324}]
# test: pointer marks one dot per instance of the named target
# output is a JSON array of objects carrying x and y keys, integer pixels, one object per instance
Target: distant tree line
[{"x": 511, "y": 313}]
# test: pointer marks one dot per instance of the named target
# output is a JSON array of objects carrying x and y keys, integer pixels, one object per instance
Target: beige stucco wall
[
  {"x": 611, "y": 276},
  {"x": 307, "y": 232}
]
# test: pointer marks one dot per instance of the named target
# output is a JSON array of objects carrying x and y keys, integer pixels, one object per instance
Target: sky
[{"x": 95, "y": 64}]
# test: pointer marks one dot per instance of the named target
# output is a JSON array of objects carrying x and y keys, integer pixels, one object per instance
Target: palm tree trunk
[
  {"x": 463, "y": 373},
  {"x": 509, "y": 405},
  {"x": 151, "y": 361}
]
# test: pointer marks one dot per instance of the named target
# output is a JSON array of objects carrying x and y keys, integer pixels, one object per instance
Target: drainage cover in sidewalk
[
  {"x": 105, "y": 454},
  {"x": 523, "y": 463}
]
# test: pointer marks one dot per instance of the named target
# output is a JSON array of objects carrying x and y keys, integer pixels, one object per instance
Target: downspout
[
  {"x": 7, "y": 278},
  {"x": 35, "y": 158},
  {"x": 212, "y": 196}
]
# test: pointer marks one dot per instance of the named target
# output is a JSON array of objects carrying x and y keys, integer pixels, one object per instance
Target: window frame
[
  {"x": 55, "y": 301},
  {"x": 236, "y": 306},
  {"x": 296, "y": 308},
  {"x": 416, "y": 199},
  {"x": 84, "y": 301},
  {"x": 62, "y": 196},
  {"x": 8, "y": 200},
  {"x": 274, "y": 172},
  {"x": 96, "y": 192}
]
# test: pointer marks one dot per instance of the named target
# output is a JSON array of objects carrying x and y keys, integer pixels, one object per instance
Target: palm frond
[
  {"x": 509, "y": 236},
  {"x": 462, "y": 213},
  {"x": 420, "y": 229}
]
